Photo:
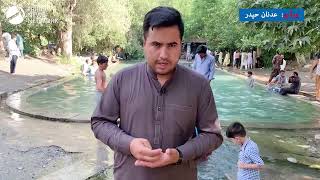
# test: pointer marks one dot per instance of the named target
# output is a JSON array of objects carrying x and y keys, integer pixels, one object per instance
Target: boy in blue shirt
[{"x": 249, "y": 162}]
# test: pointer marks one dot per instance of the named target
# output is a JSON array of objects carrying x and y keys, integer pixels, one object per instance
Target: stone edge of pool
[{"x": 17, "y": 102}]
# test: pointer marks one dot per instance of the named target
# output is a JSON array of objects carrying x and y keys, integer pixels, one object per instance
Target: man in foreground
[{"x": 159, "y": 103}]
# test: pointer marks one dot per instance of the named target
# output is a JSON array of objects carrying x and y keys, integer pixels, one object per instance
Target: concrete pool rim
[{"x": 17, "y": 102}]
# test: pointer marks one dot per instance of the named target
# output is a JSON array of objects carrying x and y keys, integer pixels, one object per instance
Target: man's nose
[{"x": 164, "y": 53}]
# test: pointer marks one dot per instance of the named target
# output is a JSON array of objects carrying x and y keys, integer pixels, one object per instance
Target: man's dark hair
[
  {"x": 282, "y": 71},
  {"x": 162, "y": 17},
  {"x": 235, "y": 129},
  {"x": 250, "y": 72},
  {"x": 296, "y": 73},
  {"x": 201, "y": 49},
  {"x": 102, "y": 59}
]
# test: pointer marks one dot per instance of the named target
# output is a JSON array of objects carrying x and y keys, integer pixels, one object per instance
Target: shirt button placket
[{"x": 157, "y": 127}]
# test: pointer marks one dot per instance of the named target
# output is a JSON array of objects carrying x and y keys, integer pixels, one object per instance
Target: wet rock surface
[
  {"x": 34, "y": 149},
  {"x": 32, "y": 163},
  {"x": 295, "y": 146}
]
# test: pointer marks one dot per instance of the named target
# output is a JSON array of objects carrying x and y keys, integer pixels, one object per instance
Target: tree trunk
[
  {"x": 65, "y": 35},
  {"x": 259, "y": 51},
  {"x": 66, "y": 41}
]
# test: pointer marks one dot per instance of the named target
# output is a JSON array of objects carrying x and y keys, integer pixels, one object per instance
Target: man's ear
[{"x": 144, "y": 41}]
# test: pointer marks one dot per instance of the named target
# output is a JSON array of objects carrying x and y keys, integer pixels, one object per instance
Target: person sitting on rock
[
  {"x": 278, "y": 82},
  {"x": 294, "y": 87}
]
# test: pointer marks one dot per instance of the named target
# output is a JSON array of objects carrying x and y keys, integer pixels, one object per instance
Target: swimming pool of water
[{"x": 235, "y": 101}]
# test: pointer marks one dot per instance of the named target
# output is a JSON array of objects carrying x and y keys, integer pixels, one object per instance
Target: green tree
[{"x": 299, "y": 38}]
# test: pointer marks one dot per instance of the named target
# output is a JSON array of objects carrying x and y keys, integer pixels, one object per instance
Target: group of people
[
  {"x": 241, "y": 60},
  {"x": 13, "y": 46},
  {"x": 89, "y": 66},
  {"x": 148, "y": 112},
  {"x": 204, "y": 64},
  {"x": 278, "y": 81},
  {"x": 245, "y": 59}
]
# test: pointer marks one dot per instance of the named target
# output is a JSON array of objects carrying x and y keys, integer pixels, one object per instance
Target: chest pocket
[{"x": 179, "y": 119}]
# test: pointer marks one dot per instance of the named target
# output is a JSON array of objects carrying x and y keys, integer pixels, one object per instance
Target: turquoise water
[
  {"x": 235, "y": 101},
  {"x": 75, "y": 96}
]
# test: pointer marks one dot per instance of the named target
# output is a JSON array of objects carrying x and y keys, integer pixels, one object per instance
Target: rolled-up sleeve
[
  {"x": 207, "y": 123},
  {"x": 104, "y": 119}
]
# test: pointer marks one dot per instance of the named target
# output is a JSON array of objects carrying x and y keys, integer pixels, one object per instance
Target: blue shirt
[
  {"x": 249, "y": 154},
  {"x": 205, "y": 66}
]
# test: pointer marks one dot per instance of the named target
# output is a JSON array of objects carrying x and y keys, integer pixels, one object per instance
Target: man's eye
[
  {"x": 156, "y": 44},
  {"x": 172, "y": 45}
]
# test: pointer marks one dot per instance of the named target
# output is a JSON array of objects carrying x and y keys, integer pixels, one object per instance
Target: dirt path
[{"x": 30, "y": 72}]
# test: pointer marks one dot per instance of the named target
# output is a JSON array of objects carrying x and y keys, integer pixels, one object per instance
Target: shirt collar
[
  {"x": 245, "y": 144},
  {"x": 154, "y": 78},
  {"x": 151, "y": 73}
]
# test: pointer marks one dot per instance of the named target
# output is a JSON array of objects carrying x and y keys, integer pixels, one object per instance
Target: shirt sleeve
[
  {"x": 208, "y": 125},
  {"x": 254, "y": 155},
  {"x": 194, "y": 65},
  {"x": 104, "y": 120}
]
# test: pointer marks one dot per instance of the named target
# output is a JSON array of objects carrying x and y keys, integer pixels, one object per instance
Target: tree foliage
[{"x": 100, "y": 25}]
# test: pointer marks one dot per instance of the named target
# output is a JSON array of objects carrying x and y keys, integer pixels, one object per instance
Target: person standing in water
[
  {"x": 100, "y": 76},
  {"x": 250, "y": 80}
]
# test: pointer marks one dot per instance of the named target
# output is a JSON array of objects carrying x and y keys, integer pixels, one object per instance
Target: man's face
[
  {"x": 202, "y": 55},
  {"x": 162, "y": 48},
  {"x": 103, "y": 66},
  {"x": 282, "y": 73}
]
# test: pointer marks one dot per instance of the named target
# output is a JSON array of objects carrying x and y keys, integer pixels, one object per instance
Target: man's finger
[
  {"x": 150, "y": 153},
  {"x": 150, "y": 158},
  {"x": 146, "y": 164}
]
